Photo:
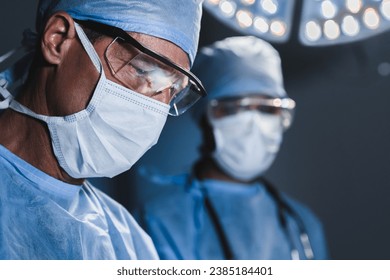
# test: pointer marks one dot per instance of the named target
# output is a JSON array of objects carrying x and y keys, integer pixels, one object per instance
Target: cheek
[{"x": 76, "y": 83}]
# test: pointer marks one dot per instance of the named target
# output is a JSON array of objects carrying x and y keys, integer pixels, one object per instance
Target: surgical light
[
  {"x": 228, "y": 8},
  {"x": 385, "y": 9},
  {"x": 331, "y": 30},
  {"x": 261, "y": 24},
  {"x": 371, "y": 18},
  {"x": 313, "y": 31},
  {"x": 322, "y": 22},
  {"x": 328, "y": 9},
  {"x": 244, "y": 18},
  {"x": 267, "y": 19},
  {"x": 342, "y": 21},
  {"x": 350, "y": 26},
  {"x": 354, "y": 6},
  {"x": 248, "y": 2},
  {"x": 270, "y": 6},
  {"x": 278, "y": 28}
]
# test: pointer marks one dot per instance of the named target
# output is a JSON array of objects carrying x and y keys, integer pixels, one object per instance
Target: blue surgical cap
[
  {"x": 177, "y": 21},
  {"x": 238, "y": 66}
]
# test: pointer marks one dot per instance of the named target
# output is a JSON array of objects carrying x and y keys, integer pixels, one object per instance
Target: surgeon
[
  {"x": 225, "y": 208},
  {"x": 90, "y": 97}
]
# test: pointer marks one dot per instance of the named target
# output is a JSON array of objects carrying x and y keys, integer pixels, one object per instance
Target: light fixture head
[
  {"x": 270, "y": 20},
  {"x": 329, "y": 22}
]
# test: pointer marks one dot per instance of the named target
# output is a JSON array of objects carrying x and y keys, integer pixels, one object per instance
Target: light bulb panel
[
  {"x": 329, "y": 22},
  {"x": 270, "y": 20}
]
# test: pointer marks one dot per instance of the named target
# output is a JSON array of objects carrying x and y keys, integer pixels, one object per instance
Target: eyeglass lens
[
  {"x": 150, "y": 77},
  {"x": 224, "y": 108}
]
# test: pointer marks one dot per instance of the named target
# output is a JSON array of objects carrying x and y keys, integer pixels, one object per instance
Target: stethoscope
[{"x": 284, "y": 211}]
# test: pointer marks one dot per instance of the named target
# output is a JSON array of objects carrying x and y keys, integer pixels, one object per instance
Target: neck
[
  {"x": 29, "y": 139},
  {"x": 206, "y": 168}
]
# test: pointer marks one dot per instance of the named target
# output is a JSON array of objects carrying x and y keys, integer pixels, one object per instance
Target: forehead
[{"x": 164, "y": 48}]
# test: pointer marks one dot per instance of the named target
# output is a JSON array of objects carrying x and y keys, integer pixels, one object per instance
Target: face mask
[
  {"x": 111, "y": 134},
  {"x": 246, "y": 143}
]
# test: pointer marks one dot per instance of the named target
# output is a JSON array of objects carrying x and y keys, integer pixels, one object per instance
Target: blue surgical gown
[
  {"x": 181, "y": 227},
  {"x": 44, "y": 218}
]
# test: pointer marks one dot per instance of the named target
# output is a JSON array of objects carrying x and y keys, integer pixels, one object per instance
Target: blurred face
[{"x": 247, "y": 131}]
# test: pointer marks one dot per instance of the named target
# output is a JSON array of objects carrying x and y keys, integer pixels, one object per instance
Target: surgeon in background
[
  {"x": 104, "y": 76},
  {"x": 224, "y": 208}
]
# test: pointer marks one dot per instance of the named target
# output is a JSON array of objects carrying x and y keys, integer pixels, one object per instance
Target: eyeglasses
[
  {"x": 147, "y": 72},
  {"x": 283, "y": 107}
]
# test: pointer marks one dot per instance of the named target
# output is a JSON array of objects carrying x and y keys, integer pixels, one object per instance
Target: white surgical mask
[
  {"x": 246, "y": 143},
  {"x": 111, "y": 134}
]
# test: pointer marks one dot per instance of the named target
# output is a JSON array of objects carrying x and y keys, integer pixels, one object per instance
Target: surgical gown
[
  {"x": 44, "y": 218},
  {"x": 182, "y": 227}
]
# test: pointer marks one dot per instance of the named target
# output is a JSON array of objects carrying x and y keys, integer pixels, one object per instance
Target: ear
[{"x": 57, "y": 37}]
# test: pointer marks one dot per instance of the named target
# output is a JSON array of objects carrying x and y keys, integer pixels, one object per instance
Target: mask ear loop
[
  {"x": 89, "y": 48},
  {"x": 8, "y": 98}
]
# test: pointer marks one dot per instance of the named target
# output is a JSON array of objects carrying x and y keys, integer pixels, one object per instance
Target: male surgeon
[{"x": 90, "y": 97}]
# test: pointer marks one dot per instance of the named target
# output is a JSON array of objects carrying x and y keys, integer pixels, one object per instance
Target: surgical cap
[
  {"x": 177, "y": 21},
  {"x": 237, "y": 66}
]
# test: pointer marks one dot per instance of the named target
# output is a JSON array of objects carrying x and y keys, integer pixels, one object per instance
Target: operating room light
[
  {"x": 269, "y": 6},
  {"x": 350, "y": 26},
  {"x": 268, "y": 19},
  {"x": 328, "y": 9},
  {"x": 322, "y": 22},
  {"x": 342, "y": 21},
  {"x": 228, "y": 8},
  {"x": 261, "y": 24},
  {"x": 313, "y": 31},
  {"x": 371, "y": 18},
  {"x": 331, "y": 29},
  {"x": 354, "y": 6},
  {"x": 385, "y": 9},
  {"x": 244, "y": 19},
  {"x": 248, "y": 2},
  {"x": 278, "y": 28}
]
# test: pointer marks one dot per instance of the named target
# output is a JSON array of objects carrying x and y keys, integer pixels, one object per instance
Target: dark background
[{"x": 336, "y": 156}]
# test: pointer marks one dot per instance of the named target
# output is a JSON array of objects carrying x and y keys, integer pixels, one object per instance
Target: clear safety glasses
[
  {"x": 147, "y": 72},
  {"x": 283, "y": 107}
]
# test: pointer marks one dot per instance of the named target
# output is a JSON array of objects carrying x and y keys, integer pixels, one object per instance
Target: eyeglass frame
[
  {"x": 285, "y": 104},
  {"x": 115, "y": 32}
]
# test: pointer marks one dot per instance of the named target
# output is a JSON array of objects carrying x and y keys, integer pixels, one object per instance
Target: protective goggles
[
  {"x": 148, "y": 72},
  {"x": 283, "y": 107}
]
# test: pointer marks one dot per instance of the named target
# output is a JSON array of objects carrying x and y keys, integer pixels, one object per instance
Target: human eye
[
  {"x": 231, "y": 109},
  {"x": 142, "y": 69},
  {"x": 271, "y": 110}
]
